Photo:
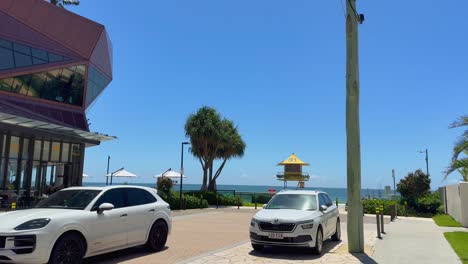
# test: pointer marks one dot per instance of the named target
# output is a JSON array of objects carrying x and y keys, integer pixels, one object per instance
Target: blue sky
[{"x": 277, "y": 68}]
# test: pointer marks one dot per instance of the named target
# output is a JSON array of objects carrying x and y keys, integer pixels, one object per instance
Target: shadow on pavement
[
  {"x": 122, "y": 255},
  {"x": 291, "y": 253},
  {"x": 364, "y": 258}
]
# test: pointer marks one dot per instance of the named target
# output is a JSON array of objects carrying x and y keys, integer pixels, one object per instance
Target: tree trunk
[
  {"x": 211, "y": 171},
  {"x": 212, "y": 184},
  {"x": 205, "y": 174}
]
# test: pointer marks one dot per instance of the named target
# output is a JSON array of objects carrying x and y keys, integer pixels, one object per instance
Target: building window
[
  {"x": 96, "y": 83},
  {"x": 15, "y": 55},
  {"x": 61, "y": 85}
]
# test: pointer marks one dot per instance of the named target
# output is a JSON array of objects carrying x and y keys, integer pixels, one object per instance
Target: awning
[{"x": 89, "y": 137}]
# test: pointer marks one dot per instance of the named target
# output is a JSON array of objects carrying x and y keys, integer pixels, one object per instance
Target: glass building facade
[
  {"x": 15, "y": 55},
  {"x": 53, "y": 66},
  {"x": 47, "y": 162},
  {"x": 63, "y": 85}
]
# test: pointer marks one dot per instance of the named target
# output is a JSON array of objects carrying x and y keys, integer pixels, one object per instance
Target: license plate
[{"x": 275, "y": 235}]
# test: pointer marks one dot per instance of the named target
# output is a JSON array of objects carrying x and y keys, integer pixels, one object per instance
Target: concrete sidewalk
[{"x": 414, "y": 240}]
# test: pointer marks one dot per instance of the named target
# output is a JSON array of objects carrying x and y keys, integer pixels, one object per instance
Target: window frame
[
  {"x": 145, "y": 195},
  {"x": 95, "y": 206}
]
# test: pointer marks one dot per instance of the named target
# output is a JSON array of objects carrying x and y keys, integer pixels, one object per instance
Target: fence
[{"x": 455, "y": 200}]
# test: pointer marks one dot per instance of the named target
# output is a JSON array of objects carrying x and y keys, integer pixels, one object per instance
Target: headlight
[
  {"x": 33, "y": 224},
  {"x": 307, "y": 226},
  {"x": 253, "y": 222}
]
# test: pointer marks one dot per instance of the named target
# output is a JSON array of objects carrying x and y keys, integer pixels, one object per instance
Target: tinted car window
[
  {"x": 150, "y": 198},
  {"x": 322, "y": 200},
  {"x": 114, "y": 196},
  {"x": 329, "y": 201},
  {"x": 293, "y": 201},
  {"x": 69, "y": 199},
  {"x": 137, "y": 197}
]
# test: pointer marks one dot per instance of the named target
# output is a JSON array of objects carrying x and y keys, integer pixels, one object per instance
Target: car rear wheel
[
  {"x": 69, "y": 249},
  {"x": 257, "y": 247},
  {"x": 157, "y": 237},
  {"x": 318, "y": 242},
  {"x": 337, "y": 235}
]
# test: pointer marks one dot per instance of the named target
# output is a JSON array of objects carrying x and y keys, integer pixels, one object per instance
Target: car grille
[
  {"x": 284, "y": 227},
  {"x": 25, "y": 244},
  {"x": 298, "y": 239},
  {"x": 2, "y": 241}
]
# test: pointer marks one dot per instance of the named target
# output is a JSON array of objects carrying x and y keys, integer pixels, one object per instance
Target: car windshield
[
  {"x": 293, "y": 201},
  {"x": 69, "y": 199}
]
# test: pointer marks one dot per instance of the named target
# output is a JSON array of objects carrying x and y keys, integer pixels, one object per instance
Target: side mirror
[
  {"x": 264, "y": 206},
  {"x": 323, "y": 208},
  {"x": 105, "y": 207}
]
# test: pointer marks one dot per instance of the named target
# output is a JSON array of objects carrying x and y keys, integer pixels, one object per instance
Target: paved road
[
  {"x": 414, "y": 240},
  {"x": 197, "y": 233},
  {"x": 192, "y": 235}
]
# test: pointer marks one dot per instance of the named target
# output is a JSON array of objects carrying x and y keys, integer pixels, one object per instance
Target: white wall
[{"x": 457, "y": 202}]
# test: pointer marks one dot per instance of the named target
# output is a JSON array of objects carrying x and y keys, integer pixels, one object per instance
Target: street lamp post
[
  {"x": 394, "y": 192},
  {"x": 181, "y": 173},
  {"x": 108, "y": 162},
  {"x": 427, "y": 161}
]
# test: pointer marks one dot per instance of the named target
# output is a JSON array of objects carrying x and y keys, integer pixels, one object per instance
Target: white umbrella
[
  {"x": 86, "y": 175},
  {"x": 170, "y": 174},
  {"x": 123, "y": 174}
]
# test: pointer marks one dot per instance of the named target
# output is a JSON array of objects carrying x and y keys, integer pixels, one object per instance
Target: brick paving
[
  {"x": 194, "y": 232},
  {"x": 334, "y": 252},
  {"x": 209, "y": 236}
]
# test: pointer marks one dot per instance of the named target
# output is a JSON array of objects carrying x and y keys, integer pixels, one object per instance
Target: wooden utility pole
[{"x": 355, "y": 213}]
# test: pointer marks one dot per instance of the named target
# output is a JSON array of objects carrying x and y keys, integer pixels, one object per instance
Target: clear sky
[{"x": 277, "y": 68}]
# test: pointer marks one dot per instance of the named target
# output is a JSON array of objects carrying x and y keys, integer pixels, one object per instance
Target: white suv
[
  {"x": 81, "y": 222},
  {"x": 298, "y": 219}
]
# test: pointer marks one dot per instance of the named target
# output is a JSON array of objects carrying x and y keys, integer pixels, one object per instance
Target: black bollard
[
  {"x": 238, "y": 202},
  {"x": 255, "y": 200},
  {"x": 382, "y": 230},
  {"x": 337, "y": 202},
  {"x": 378, "y": 222},
  {"x": 217, "y": 201}
]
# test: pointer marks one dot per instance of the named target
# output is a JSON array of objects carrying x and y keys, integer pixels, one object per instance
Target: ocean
[{"x": 340, "y": 193}]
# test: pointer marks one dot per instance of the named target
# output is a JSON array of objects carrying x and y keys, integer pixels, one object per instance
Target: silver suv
[{"x": 296, "y": 219}]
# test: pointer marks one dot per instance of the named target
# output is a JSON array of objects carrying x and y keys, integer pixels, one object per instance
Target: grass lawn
[
  {"x": 446, "y": 220},
  {"x": 459, "y": 243}
]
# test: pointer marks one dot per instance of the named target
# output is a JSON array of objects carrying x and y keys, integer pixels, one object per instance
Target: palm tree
[
  {"x": 63, "y": 3},
  {"x": 231, "y": 146},
  {"x": 203, "y": 129},
  {"x": 464, "y": 173},
  {"x": 461, "y": 146}
]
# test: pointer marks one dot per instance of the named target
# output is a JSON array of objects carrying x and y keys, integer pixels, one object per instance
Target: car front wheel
[
  {"x": 319, "y": 242},
  {"x": 337, "y": 235},
  {"x": 157, "y": 237},
  {"x": 69, "y": 249}
]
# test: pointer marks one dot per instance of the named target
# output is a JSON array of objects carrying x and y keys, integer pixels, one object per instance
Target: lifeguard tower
[{"x": 293, "y": 171}]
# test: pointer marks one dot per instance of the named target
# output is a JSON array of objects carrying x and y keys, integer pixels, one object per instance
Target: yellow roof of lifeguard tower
[{"x": 293, "y": 159}]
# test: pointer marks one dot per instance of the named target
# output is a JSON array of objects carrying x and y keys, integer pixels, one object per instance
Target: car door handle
[
  {"x": 124, "y": 215},
  {"x": 152, "y": 210}
]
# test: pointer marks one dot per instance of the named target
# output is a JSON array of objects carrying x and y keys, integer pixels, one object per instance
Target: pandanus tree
[
  {"x": 211, "y": 138},
  {"x": 461, "y": 146},
  {"x": 231, "y": 146}
]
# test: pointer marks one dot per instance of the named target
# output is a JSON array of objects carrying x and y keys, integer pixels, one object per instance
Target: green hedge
[
  {"x": 369, "y": 206},
  {"x": 210, "y": 197},
  {"x": 189, "y": 201}
]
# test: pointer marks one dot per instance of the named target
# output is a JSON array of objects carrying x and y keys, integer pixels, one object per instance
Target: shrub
[
  {"x": 263, "y": 198},
  {"x": 211, "y": 198},
  {"x": 414, "y": 186},
  {"x": 428, "y": 204},
  {"x": 369, "y": 206},
  {"x": 164, "y": 185},
  {"x": 189, "y": 201}
]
